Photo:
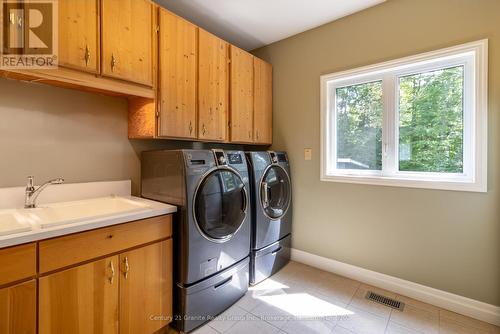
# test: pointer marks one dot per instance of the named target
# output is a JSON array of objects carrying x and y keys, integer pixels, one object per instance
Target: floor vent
[{"x": 397, "y": 305}]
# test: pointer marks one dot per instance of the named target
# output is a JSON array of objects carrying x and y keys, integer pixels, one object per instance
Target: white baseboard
[{"x": 466, "y": 306}]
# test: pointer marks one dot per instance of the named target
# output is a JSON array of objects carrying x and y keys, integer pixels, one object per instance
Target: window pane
[
  {"x": 359, "y": 126},
  {"x": 431, "y": 121}
]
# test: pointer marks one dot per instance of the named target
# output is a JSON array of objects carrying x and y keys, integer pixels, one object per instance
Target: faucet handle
[{"x": 31, "y": 180}]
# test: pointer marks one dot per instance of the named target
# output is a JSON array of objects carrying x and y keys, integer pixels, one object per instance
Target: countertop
[{"x": 38, "y": 233}]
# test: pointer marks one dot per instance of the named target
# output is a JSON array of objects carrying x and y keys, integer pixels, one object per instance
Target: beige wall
[
  {"x": 49, "y": 132},
  {"x": 443, "y": 239}
]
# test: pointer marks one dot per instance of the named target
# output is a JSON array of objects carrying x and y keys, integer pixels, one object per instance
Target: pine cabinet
[
  {"x": 181, "y": 81},
  {"x": 263, "y": 102},
  {"x": 81, "y": 300},
  {"x": 241, "y": 109},
  {"x": 79, "y": 35},
  {"x": 213, "y": 87},
  {"x": 146, "y": 288},
  {"x": 120, "y": 285},
  {"x": 119, "y": 294},
  {"x": 127, "y": 40},
  {"x": 177, "y": 84},
  {"x": 18, "y": 309}
]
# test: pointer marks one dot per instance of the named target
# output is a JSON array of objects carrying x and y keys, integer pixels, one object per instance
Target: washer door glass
[
  {"x": 275, "y": 192},
  {"x": 220, "y": 204}
]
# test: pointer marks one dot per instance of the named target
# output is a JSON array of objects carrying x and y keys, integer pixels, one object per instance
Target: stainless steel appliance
[
  {"x": 271, "y": 212},
  {"x": 212, "y": 229}
]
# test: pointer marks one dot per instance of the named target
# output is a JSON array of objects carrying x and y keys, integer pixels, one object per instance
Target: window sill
[{"x": 452, "y": 185}]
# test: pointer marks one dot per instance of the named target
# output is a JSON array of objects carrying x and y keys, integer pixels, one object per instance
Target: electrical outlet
[{"x": 308, "y": 154}]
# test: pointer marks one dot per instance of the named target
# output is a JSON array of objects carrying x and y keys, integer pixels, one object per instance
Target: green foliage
[
  {"x": 359, "y": 124},
  {"x": 431, "y": 121}
]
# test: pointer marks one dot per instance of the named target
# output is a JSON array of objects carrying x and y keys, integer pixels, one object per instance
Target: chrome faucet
[{"x": 32, "y": 193}]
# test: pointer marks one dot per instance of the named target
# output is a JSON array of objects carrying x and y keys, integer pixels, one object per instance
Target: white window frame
[{"x": 474, "y": 57}]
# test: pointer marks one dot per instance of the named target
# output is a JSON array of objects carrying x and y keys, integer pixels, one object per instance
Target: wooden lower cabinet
[
  {"x": 146, "y": 288},
  {"x": 18, "y": 309},
  {"x": 128, "y": 293},
  {"x": 81, "y": 300},
  {"x": 111, "y": 280}
]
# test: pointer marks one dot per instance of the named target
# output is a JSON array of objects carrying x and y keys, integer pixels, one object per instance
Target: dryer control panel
[
  {"x": 274, "y": 158},
  {"x": 278, "y": 157}
]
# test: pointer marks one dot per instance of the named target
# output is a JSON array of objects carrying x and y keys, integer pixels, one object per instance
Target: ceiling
[{"x": 250, "y": 24}]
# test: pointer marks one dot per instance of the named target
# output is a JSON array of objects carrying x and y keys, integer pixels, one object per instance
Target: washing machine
[
  {"x": 211, "y": 230},
  {"x": 271, "y": 190}
]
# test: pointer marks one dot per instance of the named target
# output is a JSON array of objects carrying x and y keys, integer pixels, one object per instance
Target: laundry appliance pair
[{"x": 232, "y": 228}]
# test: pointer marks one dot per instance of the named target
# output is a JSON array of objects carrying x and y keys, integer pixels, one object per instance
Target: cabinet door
[
  {"x": 263, "y": 102},
  {"x": 127, "y": 40},
  {"x": 146, "y": 288},
  {"x": 18, "y": 309},
  {"x": 81, "y": 300},
  {"x": 213, "y": 87},
  {"x": 178, "y": 56},
  {"x": 78, "y": 34},
  {"x": 241, "y": 96}
]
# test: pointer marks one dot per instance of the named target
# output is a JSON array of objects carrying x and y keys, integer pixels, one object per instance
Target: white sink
[
  {"x": 12, "y": 222},
  {"x": 73, "y": 212}
]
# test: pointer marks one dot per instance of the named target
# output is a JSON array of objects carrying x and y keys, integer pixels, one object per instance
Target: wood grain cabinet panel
[
  {"x": 17, "y": 263},
  {"x": 127, "y": 40},
  {"x": 81, "y": 300},
  {"x": 178, "y": 67},
  {"x": 241, "y": 96},
  {"x": 18, "y": 309},
  {"x": 213, "y": 87},
  {"x": 72, "y": 249},
  {"x": 79, "y": 34},
  {"x": 146, "y": 288},
  {"x": 263, "y": 102}
]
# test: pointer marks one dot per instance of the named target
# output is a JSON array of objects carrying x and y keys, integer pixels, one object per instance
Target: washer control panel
[
  {"x": 220, "y": 157},
  {"x": 234, "y": 158}
]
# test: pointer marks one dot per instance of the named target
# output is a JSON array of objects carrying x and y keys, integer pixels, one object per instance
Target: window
[{"x": 419, "y": 121}]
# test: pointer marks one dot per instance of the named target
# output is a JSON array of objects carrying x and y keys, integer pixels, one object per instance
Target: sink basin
[
  {"x": 73, "y": 212},
  {"x": 12, "y": 222}
]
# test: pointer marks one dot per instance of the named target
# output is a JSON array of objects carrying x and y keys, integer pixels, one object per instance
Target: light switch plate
[{"x": 308, "y": 154}]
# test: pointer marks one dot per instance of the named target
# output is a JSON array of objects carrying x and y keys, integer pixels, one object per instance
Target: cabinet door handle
[
  {"x": 257, "y": 134},
  {"x": 112, "y": 268},
  {"x": 127, "y": 267},
  {"x": 249, "y": 133},
  {"x": 190, "y": 127},
  {"x": 87, "y": 55},
  {"x": 204, "y": 129},
  {"x": 113, "y": 62}
]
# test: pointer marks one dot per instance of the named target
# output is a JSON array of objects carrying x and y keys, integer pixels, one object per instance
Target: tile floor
[{"x": 301, "y": 299}]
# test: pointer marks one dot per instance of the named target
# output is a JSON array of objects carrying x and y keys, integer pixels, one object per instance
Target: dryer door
[
  {"x": 275, "y": 192},
  {"x": 220, "y": 204}
]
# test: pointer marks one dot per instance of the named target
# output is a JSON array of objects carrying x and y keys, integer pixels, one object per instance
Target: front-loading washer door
[
  {"x": 275, "y": 192},
  {"x": 220, "y": 204}
]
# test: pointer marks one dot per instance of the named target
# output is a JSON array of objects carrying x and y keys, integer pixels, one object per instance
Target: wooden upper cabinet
[
  {"x": 18, "y": 309},
  {"x": 263, "y": 102},
  {"x": 178, "y": 55},
  {"x": 213, "y": 87},
  {"x": 81, "y": 300},
  {"x": 145, "y": 288},
  {"x": 241, "y": 96},
  {"x": 79, "y": 35},
  {"x": 127, "y": 40}
]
